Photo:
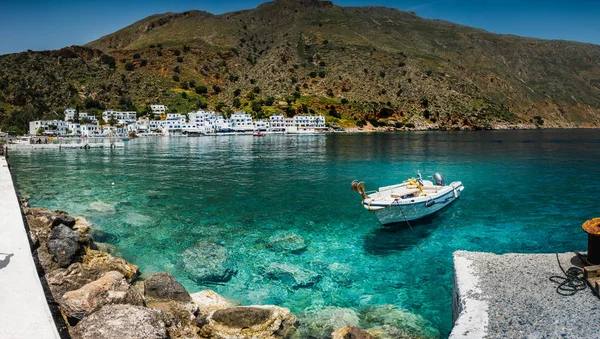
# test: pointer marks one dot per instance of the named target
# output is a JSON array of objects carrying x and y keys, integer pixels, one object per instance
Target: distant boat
[
  {"x": 413, "y": 199},
  {"x": 259, "y": 134}
]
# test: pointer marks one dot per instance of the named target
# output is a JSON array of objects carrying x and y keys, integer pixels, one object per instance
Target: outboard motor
[{"x": 439, "y": 180}]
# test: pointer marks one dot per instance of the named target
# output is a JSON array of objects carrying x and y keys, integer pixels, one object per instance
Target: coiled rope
[{"x": 572, "y": 282}]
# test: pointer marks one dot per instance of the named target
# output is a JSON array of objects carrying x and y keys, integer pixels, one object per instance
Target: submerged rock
[
  {"x": 122, "y": 321},
  {"x": 208, "y": 262},
  {"x": 163, "y": 286},
  {"x": 286, "y": 242},
  {"x": 392, "y": 322},
  {"x": 64, "y": 245},
  {"x": 321, "y": 323},
  {"x": 292, "y": 275},
  {"x": 266, "y": 322},
  {"x": 102, "y": 207},
  {"x": 110, "y": 289},
  {"x": 209, "y": 301},
  {"x": 351, "y": 332}
]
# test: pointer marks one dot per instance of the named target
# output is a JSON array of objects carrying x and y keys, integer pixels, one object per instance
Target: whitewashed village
[{"x": 161, "y": 122}]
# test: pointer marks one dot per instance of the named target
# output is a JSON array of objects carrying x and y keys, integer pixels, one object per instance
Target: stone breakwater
[{"x": 102, "y": 296}]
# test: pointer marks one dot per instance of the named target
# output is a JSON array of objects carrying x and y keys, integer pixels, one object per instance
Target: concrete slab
[
  {"x": 511, "y": 296},
  {"x": 24, "y": 311}
]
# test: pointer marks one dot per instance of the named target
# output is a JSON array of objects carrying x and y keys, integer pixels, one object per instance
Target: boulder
[
  {"x": 179, "y": 318},
  {"x": 322, "y": 322},
  {"x": 208, "y": 262},
  {"x": 122, "y": 321},
  {"x": 82, "y": 225},
  {"x": 209, "y": 301},
  {"x": 351, "y": 332},
  {"x": 73, "y": 277},
  {"x": 62, "y": 217},
  {"x": 286, "y": 242},
  {"x": 397, "y": 321},
  {"x": 64, "y": 245},
  {"x": 266, "y": 322},
  {"x": 39, "y": 229},
  {"x": 110, "y": 289},
  {"x": 163, "y": 286},
  {"x": 106, "y": 262},
  {"x": 292, "y": 275}
]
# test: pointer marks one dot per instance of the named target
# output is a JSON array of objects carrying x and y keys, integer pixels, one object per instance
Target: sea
[{"x": 526, "y": 191}]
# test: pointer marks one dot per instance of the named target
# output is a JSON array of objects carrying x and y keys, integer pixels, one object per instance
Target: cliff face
[{"x": 360, "y": 64}]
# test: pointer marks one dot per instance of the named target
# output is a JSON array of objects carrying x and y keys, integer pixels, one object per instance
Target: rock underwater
[{"x": 208, "y": 262}]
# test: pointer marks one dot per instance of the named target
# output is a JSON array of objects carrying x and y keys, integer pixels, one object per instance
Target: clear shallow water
[{"x": 525, "y": 191}]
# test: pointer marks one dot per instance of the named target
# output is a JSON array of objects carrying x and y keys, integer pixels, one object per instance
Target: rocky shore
[{"x": 98, "y": 296}]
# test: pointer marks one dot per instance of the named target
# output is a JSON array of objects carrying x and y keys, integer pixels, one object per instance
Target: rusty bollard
[{"x": 592, "y": 228}]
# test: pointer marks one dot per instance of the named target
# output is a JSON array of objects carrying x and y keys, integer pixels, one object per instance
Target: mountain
[{"x": 358, "y": 65}]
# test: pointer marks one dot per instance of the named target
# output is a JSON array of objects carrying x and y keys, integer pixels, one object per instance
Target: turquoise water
[{"x": 526, "y": 191}]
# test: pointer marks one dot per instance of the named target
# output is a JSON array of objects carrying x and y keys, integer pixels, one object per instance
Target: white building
[
  {"x": 158, "y": 109},
  {"x": 50, "y": 127},
  {"x": 241, "y": 122},
  {"x": 90, "y": 130},
  {"x": 277, "y": 123},
  {"x": 120, "y": 117},
  {"x": 71, "y": 112},
  {"x": 114, "y": 131},
  {"x": 309, "y": 121},
  {"x": 261, "y": 125}
]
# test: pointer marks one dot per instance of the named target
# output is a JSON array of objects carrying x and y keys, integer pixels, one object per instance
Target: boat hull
[{"x": 408, "y": 211}]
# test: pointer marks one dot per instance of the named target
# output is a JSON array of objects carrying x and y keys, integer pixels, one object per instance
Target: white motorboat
[{"x": 413, "y": 199}]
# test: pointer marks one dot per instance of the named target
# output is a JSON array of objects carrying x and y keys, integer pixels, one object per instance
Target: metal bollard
[{"x": 592, "y": 228}]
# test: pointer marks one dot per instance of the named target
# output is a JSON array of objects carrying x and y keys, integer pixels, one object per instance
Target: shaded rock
[
  {"x": 102, "y": 207},
  {"x": 209, "y": 301},
  {"x": 110, "y": 289},
  {"x": 249, "y": 322},
  {"x": 208, "y": 262},
  {"x": 163, "y": 286},
  {"x": 321, "y": 323},
  {"x": 286, "y": 242},
  {"x": 397, "y": 321},
  {"x": 64, "y": 245},
  {"x": 292, "y": 275},
  {"x": 62, "y": 217},
  {"x": 351, "y": 332},
  {"x": 122, "y": 321},
  {"x": 106, "y": 262}
]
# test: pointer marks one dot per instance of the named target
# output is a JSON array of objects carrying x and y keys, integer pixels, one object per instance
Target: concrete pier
[
  {"x": 24, "y": 311},
  {"x": 511, "y": 296}
]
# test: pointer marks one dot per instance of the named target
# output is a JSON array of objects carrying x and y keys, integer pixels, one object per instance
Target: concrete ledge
[
  {"x": 24, "y": 311},
  {"x": 511, "y": 296}
]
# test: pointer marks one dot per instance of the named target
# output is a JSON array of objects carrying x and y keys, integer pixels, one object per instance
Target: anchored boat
[{"x": 411, "y": 200}]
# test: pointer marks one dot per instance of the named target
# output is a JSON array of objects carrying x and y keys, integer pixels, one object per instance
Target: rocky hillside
[{"x": 358, "y": 65}]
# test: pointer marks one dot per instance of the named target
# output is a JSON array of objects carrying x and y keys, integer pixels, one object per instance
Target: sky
[{"x": 53, "y": 24}]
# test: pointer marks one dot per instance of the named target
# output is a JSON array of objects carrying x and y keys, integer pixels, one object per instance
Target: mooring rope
[{"x": 572, "y": 282}]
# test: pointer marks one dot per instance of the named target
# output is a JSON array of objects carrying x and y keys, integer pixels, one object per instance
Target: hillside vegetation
[{"x": 357, "y": 65}]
